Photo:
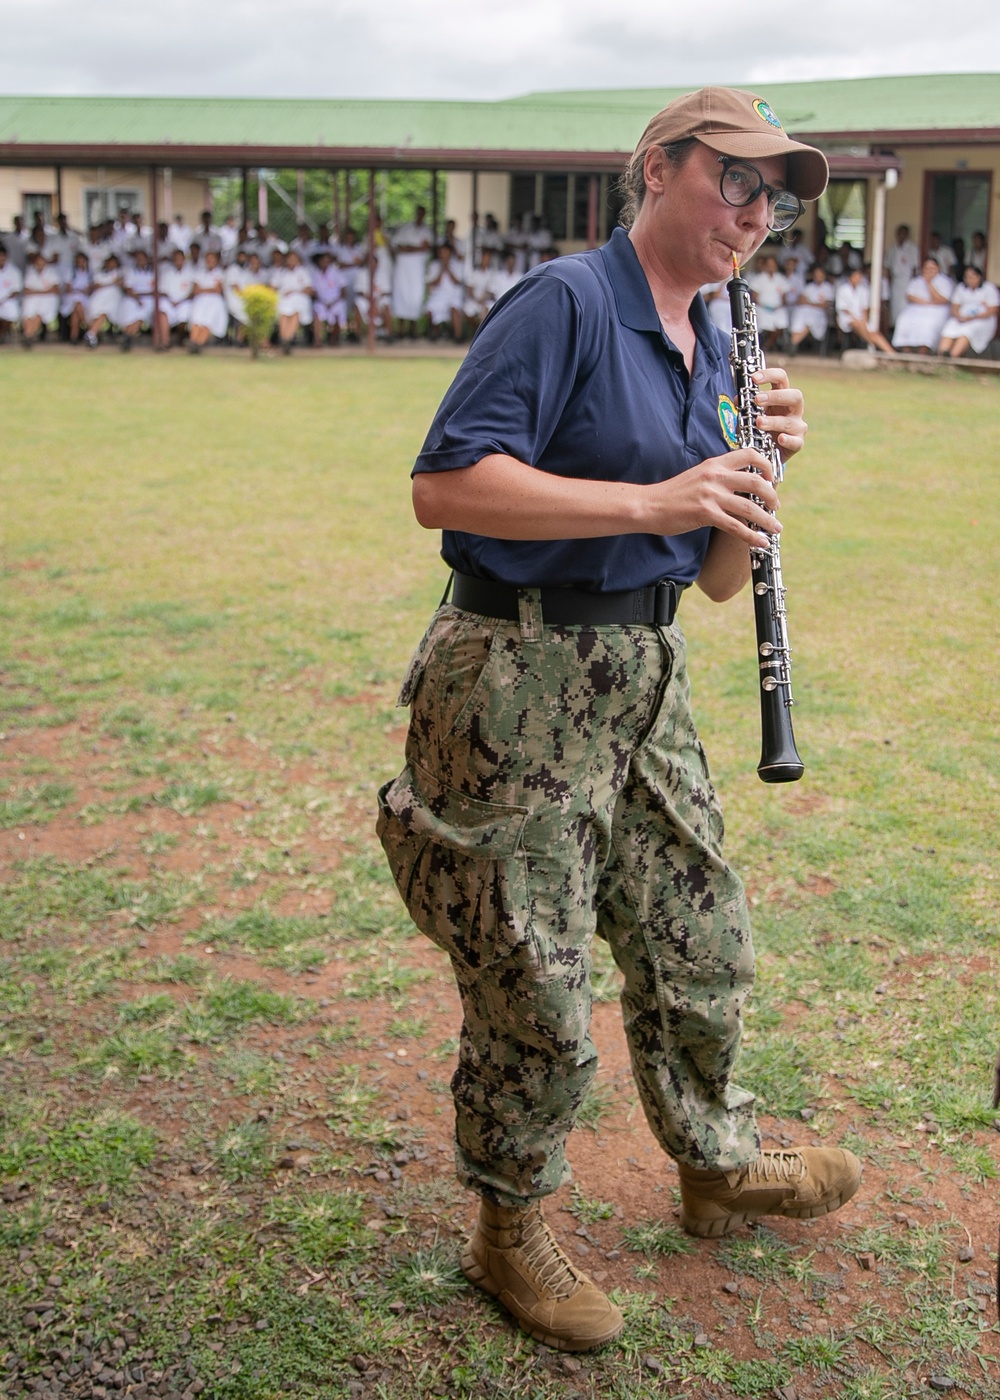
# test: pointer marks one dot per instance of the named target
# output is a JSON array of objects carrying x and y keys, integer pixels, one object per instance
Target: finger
[{"x": 773, "y": 375}]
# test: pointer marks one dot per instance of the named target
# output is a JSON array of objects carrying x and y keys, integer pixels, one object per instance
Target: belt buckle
[{"x": 664, "y": 602}]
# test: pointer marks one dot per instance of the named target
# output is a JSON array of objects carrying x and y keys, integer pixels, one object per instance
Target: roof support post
[
  {"x": 154, "y": 205},
  {"x": 245, "y": 197},
  {"x": 335, "y": 202},
  {"x": 434, "y": 205},
  {"x": 592, "y": 188},
  {"x": 370, "y": 333},
  {"x": 261, "y": 199},
  {"x": 59, "y": 202},
  {"x": 474, "y": 220},
  {"x": 878, "y": 249}
]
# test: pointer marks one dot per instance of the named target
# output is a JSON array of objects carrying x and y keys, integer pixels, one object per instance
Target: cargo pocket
[{"x": 458, "y": 865}]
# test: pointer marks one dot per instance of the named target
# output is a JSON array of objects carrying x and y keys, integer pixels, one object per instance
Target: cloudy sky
[{"x": 474, "y": 48}]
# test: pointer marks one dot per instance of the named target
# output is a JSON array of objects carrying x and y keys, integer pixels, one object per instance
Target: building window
[
  {"x": 101, "y": 204},
  {"x": 33, "y": 204}
]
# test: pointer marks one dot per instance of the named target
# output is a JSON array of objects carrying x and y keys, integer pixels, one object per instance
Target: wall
[
  {"x": 179, "y": 194},
  {"x": 905, "y": 204},
  {"x": 492, "y": 196}
]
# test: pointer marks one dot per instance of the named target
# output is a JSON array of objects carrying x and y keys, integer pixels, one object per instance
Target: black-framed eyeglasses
[{"x": 741, "y": 184}]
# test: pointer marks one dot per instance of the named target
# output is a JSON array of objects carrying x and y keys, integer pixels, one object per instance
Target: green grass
[{"x": 202, "y": 956}]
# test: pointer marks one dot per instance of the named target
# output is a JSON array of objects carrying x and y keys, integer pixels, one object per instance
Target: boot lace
[
  {"x": 779, "y": 1166},
  {"x": 541, "y": 1252}
]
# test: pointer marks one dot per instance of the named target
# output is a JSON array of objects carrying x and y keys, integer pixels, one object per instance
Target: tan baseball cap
[{"x": 737, "y": 123}]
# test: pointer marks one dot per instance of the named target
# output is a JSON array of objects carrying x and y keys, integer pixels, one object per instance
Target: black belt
[{"x": 654, "y": 606}]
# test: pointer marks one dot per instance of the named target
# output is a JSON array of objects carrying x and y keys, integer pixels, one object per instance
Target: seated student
[
  {"x": 209, "y": 315},
  {"x": 716, "y": 298},
  {"x": 174, "y": 307},
  {"x": 40, "y": 301},
  {"x": 445, "y": 293},
  {"x": 294, "y": 285},
  {"x": 973, "y": 320},
  {"x": 928, "y": 302},
  {"x": 105, "y": 298},
  {"x": 236, "y": 277},
  {"x": 75, "y": 304},
  {"x": 977, "y": 252},
  {"x": 136, "y": 308},
  {"x": 810, "y": 316},
  {"x": 11, "y": 286},
  {"x": 479, "y": 289},
  {"x": 381, "y": 313},
  {"x": 505, "y": 276},
  {"x": 329, "y": 302},
  {"x": 769, "y": 287},
  {"x": 349, "y": 255},
  {"x": 852, "y": 300}
]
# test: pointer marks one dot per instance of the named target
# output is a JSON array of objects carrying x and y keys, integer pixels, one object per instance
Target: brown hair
[{"x": 632, "y": 184}]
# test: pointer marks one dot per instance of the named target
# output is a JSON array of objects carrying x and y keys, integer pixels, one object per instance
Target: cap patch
[
  {"x": 766, "y": 112},
  {"x": 729, "y": 420}
]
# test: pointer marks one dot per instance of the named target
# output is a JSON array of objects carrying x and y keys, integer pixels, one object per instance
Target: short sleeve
[{"x": 516, "y": 381}]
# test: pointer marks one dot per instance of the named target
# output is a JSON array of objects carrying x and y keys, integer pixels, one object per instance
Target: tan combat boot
[
  {"x": 801, "y": 1184},
  {"x": 513, "y": 1256}
]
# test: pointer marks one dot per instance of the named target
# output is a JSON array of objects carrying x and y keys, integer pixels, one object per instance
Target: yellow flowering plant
[{"x": 261, "y": 306}]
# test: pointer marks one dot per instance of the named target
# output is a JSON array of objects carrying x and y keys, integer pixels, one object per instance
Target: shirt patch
[
  {"x": 765, "y": 111},
  {"x": 729, "y": 420}
]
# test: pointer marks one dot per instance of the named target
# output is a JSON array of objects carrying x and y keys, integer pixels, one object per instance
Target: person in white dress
[
  {"x": 136, "y": 308},
  {"x": 902, "y": 262},
  {"x": 810, "y": 316},
  {"x": 209, "y": 314},
  {"x": 16, "y": 242},
  {"x": 716, "y": 298},
  {"x": 973, "y": 320},
  {"x": 382, "y": 311},
  {"x": 329, "y": 301},
  {"x": 769, "y": 287},
  {"x": 851, "y": 302},
  {"x": 40, "y": 302},
  {"x": 479, "y": 289},
  {"x": 228, "y": 239},
  {"x": 74, "y": 306},
  {"x": 445, "y": 293},
  {"x": 928, "y": 302},
  {"x": 105, "y": 298},
  {"x": 235, "y": 278},
  {"x": 174, "y": 307},
  {"x": 795, "y": 247},
  {"x": 505, "y": 276},
  {"x": 294, "y": 286},
  {"x": 180, "y": 234},
  {"x": 11, "y": 286},
  {"x": 64, "y": 245},
  {"x": 349, "y": 256},
  {"x": 412, "y": 246}
]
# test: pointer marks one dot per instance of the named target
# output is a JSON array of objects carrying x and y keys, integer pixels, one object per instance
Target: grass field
[{"x": 223, "y": 1053}]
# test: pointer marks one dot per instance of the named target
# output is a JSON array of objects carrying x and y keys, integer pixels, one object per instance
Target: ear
[{"x": 655, "y": 169}]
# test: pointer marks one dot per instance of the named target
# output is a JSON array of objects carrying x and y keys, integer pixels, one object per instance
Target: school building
[{"x": 924, "y": 151}]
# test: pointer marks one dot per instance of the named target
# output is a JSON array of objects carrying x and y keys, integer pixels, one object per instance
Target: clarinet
[{"x": 779, "y": 760}]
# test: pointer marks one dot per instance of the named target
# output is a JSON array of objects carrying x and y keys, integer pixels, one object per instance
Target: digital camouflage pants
[{"x": 555, "y": 787}]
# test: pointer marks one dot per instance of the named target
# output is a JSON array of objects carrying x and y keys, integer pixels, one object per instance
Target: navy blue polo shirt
[{"x": 572, "y": 373}]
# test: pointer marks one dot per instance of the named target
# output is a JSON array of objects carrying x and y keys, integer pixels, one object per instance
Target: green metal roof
[{"x": 538, "y": 127}]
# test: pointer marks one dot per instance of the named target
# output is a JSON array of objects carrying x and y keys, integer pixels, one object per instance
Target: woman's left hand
[{"x": 781, "y": 409}]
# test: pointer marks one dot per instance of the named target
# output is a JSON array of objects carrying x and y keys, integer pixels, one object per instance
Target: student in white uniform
[
  {"x": 64, "y": 245},
  {"x": 294, "y": 286},
  {"x": 942, "y": 255},
  {"x": 716, "y": 299},
  {"x": 810, "y": 316},
  {"x": 40, "y": 301},
  {"x": 795, "y": 247},
  {"x": 928, "y": 302},
  {"x": 851, "y": 301},
  {"x": 105, "y": 298},
  {"x": 973, "y": 320},
  {"x": 329, "y": 302},
  {"x": 228, "y": 239},
  {"x": 136, "y": 309},
  {"x": 180, "y": 234},
  {"x": 16, "y": 242},
  {"x": 902, "y": 263},
  {"x": 75, "y": 304},
  {"x": 505, "y": 276},
  {"x": 977, "y": 253},
  {"x": 174, "y": 307},
  {"x": 479, "y": 289},
  {"x": 209, "y": 314},
  {"x": 769, "y": 287},
  {"x": 208, "y": 235},
  {"x": 11, "y": 286},
  {"x": 445, "y": 293},
  {"x": 412, "y": 245},
  {"x": 349, "y": 256},
  {"x": 236, "y": 277},
  {"x": 382, "y": 312}
]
